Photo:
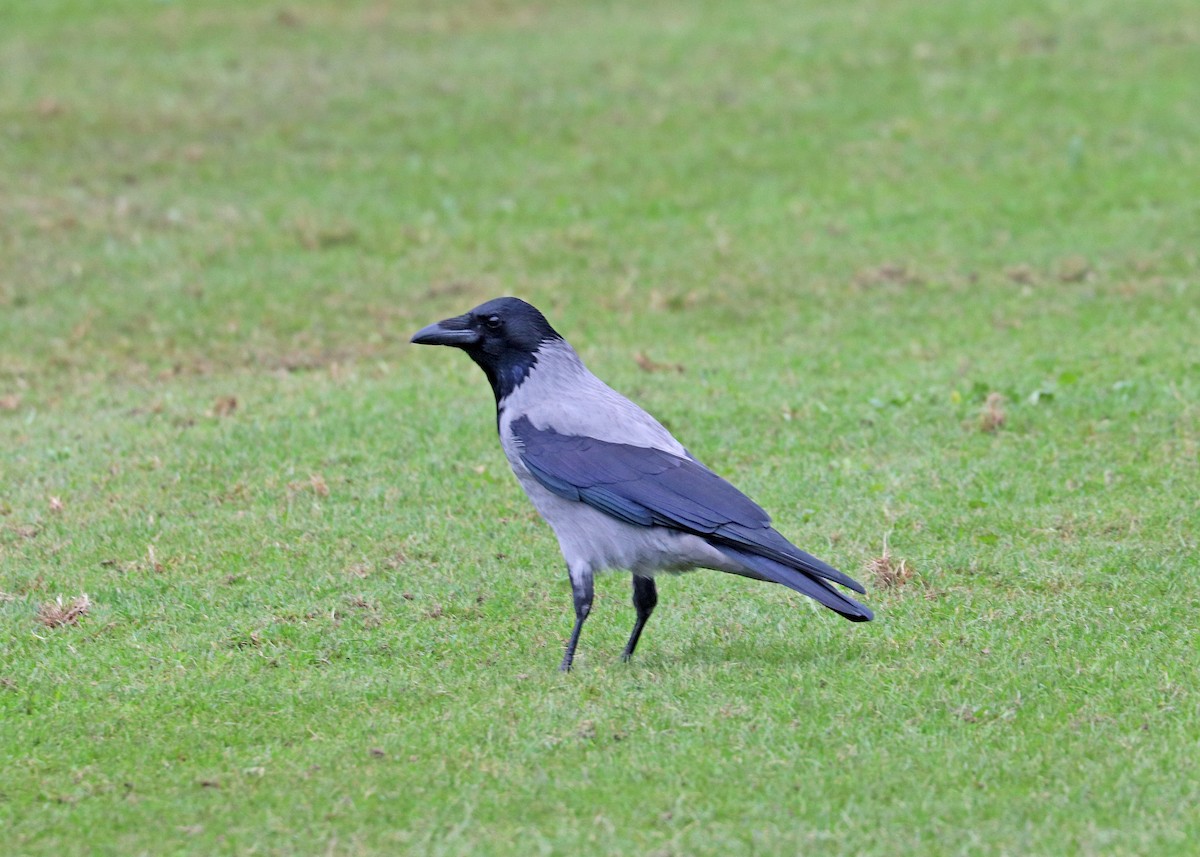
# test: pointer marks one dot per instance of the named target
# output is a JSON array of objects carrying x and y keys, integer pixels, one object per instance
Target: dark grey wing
[{"x": 651, "y": 487}]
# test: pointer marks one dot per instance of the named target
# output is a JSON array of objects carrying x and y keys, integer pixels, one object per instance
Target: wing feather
[{"x": 651, "y": 487}]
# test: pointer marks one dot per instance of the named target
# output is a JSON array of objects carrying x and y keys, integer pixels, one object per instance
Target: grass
[{"x": 930, "y": 272}]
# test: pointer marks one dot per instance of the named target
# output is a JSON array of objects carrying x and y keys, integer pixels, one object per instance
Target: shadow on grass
[{"x": 751, "y": 653}]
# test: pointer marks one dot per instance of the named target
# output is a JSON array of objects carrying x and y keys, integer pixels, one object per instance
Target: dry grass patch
[
  {"x": 887, "y": 571},
  {"x": 646, "y": 364},
  {"x": 992, "y": 416},
  {"x": 56, "y": 613}
]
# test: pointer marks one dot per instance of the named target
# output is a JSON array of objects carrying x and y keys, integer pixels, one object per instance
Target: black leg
[
  {"x": 645, "y": 596},
  {"x": 583, "y": 590}
]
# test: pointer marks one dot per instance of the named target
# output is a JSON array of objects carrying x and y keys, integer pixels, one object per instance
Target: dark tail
[{"x": 764, "y": 568}]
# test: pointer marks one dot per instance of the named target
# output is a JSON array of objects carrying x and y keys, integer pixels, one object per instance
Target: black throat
[{"x": 507, "y": 372}]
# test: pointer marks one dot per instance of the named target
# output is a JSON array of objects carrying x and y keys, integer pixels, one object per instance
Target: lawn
[{"x": 922, "y": 278}]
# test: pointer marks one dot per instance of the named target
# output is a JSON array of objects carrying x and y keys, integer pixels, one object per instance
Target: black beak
[{"x": 453, "y": 331}]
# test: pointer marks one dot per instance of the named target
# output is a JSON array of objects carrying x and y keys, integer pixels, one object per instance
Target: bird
[{"x": 618, "y": 490}]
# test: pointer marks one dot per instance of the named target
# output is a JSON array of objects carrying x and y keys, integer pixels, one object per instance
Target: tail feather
[
  {"x": 765, "y": 568},
  {"x": 768, "y": 542}
]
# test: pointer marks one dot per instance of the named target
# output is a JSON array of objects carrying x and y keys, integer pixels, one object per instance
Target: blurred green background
[{"x": 814, "y": 239}]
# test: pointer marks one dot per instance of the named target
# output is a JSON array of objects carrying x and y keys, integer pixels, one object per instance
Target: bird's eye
[{"x": 493, "y": 322}]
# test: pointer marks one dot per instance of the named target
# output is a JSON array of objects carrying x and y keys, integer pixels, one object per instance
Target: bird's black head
[{"x": 503, "y": 336}]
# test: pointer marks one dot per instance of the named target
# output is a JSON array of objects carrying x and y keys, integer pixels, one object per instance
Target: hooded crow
[{"x": 617, "y": 489}]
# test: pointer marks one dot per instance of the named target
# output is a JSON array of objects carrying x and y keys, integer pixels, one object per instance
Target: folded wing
[{"x": 651, "y": 487}]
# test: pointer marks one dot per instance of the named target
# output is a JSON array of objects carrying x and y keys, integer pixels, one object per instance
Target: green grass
[{"x": 328, "y": 622}]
